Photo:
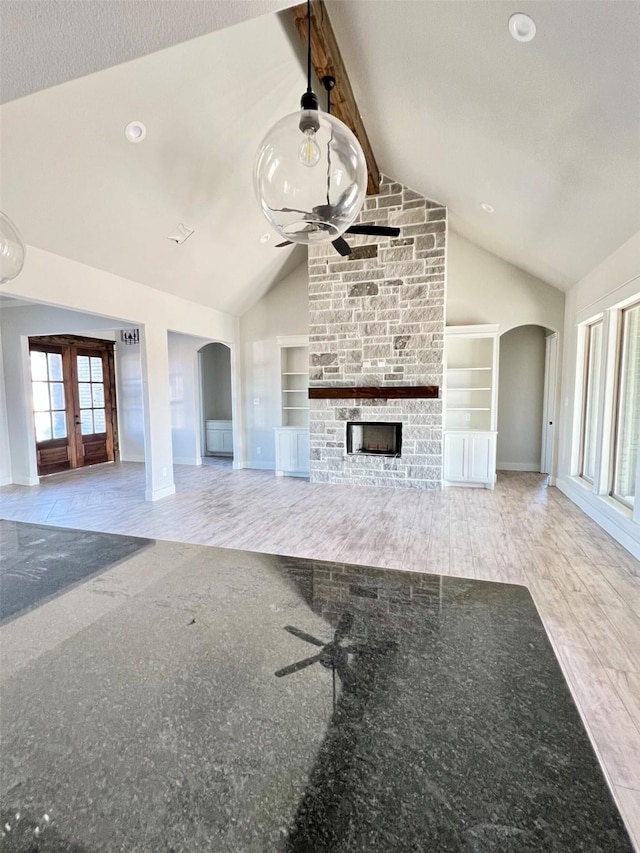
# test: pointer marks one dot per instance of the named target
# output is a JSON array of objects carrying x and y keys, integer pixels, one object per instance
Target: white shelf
[
  {"x": 467, "y": 369},
  {"x": 294, "y": 381},
  {"x": 470, "y": 389}
]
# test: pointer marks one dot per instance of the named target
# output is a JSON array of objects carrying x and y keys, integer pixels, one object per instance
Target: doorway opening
[
  {"x": 526, "y": 399},
  {"x": 217, "y": 408},
  {"x": 74, "y": 402}
]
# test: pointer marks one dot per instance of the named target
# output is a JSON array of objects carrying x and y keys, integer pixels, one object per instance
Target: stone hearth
[{"x": 377, "y": 319}]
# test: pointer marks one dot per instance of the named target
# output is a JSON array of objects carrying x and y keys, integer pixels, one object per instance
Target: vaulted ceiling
[{"x": 547, "y": 132}]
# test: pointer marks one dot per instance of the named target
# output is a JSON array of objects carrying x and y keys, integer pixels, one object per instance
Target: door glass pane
[
  {"x": 59, "y": 424},
  {"x": 100, "y": 424},
  {"x": 57, "y": 395},
  {"x": 42, "y": 422},
  {"x": 40, "y": 396},
  {"x": 38, "y": 366},
  {"x": 628, "y": 414},
  {"x": 84, "y": 395},
  {"x": 86, "y": 422},
  {"x": 84, "y": 372},
  {"x": 98, "y": 395},
  {"x": 55, "y": 366},
  {"x": 96, "y": 369},
  {"x": 591, "y": 401}
]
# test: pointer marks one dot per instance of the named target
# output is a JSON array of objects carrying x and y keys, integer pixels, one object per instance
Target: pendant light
[
  {"x": 12, "y": 249},
  {"x": 310, "y": 173}
]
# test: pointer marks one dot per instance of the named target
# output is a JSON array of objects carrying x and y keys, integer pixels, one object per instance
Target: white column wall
[{"x": 5, "y": 448}]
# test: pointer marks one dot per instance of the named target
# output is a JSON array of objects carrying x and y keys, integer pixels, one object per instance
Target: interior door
[
  {"x": 549, "y": 406},
  {"x": 74, "y": 410},
  {"x": 92, "y": 412}
]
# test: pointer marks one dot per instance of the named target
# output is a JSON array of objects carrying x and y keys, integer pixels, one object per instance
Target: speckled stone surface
[
  {"x": 37, "y": 562},
  {"x": 158, "y": 723}
]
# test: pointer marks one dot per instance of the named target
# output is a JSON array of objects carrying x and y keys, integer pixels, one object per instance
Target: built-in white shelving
[
  {"x": 292, "y": 437},
  {"x": 470, "y": 408}
]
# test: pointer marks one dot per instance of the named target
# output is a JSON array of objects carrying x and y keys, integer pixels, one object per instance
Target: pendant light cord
[{"x": 308, "y": 45}]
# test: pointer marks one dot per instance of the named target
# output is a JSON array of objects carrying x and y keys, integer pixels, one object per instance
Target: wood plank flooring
[{"x": 585, "y": 585}]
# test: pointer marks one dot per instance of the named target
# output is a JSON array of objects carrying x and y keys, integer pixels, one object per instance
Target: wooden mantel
[{"x": 390, "y": 392}]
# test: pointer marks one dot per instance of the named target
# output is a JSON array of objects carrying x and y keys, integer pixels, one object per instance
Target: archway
[
  {"x": 526, "y": 399},
  {"x": 217, "y": 401}
]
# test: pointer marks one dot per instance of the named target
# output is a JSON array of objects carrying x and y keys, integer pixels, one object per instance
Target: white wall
[
  {"x": 216, "y": 382},
  {"x": 612, "y": 282},
  {"x": 483, "y": 288},
  {"x": 520, "y": 398},
  {"x": 284, "y": 310},
  {"x": 129, "y": 400},
  {"x": 185, "y": 396},
  {"x": 5, "y": 449}
]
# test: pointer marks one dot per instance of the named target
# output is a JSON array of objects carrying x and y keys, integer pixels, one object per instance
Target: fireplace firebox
[{"x": 374, "y": 439}]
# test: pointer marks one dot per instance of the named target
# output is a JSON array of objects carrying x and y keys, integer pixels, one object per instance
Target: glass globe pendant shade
[
  {"x": 12, "y": 250},
  {"x": 310, "y": 177}
]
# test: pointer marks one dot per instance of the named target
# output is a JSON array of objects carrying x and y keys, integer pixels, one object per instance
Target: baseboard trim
[
  {"x": 624, "y": 530},
  {"x": 158, "y": 494},
  {"x": 260, "y": 466},
  {"x": 6, "y": 481},
  {"x": 26, "y": 481},
  {"x": 518, "y": 466},
  {"x": 187, "y": 460}
]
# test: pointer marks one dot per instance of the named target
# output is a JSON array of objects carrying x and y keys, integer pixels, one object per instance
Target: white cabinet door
[
  {"x": 214, "y": 440},
  {"x": 227, "y": 441},
  {"x": 284, "y": 451},
  {"x": 292, "y": 451},
  {"x": 302, "y": 451},
  {"x": 455, "y": 457},
  {"x": 481, "y": 458}
]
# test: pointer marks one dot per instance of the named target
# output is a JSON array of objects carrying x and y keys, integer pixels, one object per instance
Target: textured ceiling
[
  {"x": 547, "y": 132},
  {"x": 46, "y": 42}
]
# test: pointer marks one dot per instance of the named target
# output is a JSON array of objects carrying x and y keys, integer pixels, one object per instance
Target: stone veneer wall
[{"x": 377, "y": 318}]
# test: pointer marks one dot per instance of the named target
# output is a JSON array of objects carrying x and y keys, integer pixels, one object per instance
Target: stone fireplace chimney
[{"x": 377, "y": 322}]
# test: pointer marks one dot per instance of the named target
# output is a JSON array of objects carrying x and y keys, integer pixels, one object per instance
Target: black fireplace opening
[{"x": 374, "y": 438}]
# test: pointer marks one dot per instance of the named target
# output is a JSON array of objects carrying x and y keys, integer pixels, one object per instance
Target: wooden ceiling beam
[{"x": 327, "y": 61}]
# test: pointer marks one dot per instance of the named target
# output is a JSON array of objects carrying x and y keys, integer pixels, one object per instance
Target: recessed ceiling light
[
  {"x": 522, "y": 27},
  {"x": 487, "y": 207},
  {"x": 135, "y": 131},
  {"x": 265, "y": 238}
]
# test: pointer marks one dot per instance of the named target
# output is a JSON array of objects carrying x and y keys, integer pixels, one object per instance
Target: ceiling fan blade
[
  {"x": 345, "y": 625},
  {"x": 341, "y": 246},
  {"x": 374, "y": 230},
  {"x": 286, "y": 243},
  {"x": 295, "y": 667},
  {"x": 304, "y": 636}
]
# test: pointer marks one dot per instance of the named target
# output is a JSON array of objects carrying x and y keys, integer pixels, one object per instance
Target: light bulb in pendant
[{"x": 309, "y": 152}]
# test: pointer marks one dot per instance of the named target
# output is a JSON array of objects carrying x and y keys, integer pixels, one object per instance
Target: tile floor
[{"x": 585, "y": 585}]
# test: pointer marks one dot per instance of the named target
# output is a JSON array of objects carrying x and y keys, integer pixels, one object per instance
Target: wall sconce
[{"x": 130, "y": 336}]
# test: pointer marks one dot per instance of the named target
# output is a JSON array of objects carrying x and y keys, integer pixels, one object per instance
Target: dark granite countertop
[{"x": 158, "y": 723}]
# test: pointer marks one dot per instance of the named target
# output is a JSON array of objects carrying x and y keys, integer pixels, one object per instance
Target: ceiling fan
[
  {"x": 324, "y": 213},
  {"x": 334, "y": 655}
]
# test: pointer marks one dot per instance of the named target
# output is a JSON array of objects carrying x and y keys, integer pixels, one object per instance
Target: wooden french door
[{"x": 74, "y": 402}]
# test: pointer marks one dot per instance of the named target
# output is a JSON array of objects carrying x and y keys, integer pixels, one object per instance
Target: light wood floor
[{"x": 585, "y": 585}]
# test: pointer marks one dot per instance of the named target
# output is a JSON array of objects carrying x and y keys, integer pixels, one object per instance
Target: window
[
  {"x": 627, "y": 421},
  {"x": 591, "y": 402}
]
